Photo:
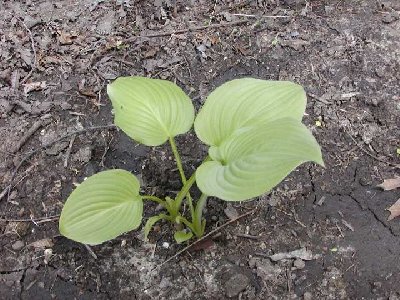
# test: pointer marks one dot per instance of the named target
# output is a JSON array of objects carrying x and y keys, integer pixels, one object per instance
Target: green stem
[
  {"x": 187, "y": 223},
  {"x": 201, "y": 203},
  {"x": 185, "y": 189},
  {"x": 182, "y": 173},
  {"x": 154, "y": 199},
  {"x": 183, "y": 192},
  {"x": 178, "y": 159}
]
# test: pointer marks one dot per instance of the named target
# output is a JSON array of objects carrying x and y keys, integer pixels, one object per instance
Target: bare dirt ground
[{"x": 58, "y": 56}]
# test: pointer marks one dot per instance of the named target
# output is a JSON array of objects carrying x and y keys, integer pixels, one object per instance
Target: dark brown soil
[{"x": 346, "y": 55}]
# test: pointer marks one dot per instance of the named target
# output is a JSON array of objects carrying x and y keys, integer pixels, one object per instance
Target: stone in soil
[{"x": 236, "y": 284}]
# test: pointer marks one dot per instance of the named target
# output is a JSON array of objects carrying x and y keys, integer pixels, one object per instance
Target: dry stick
[
  {"x": 33, "y": 65},
  {"x": 206, "y": 236},
  {"x": 91, "y": 252},
  {"x": 37, "y": 220},
  {"x": 261, "y": 16},
  {"x": 71, "y": 142},
  {"x": 248, "y": 236},
  {"x": 319, "y": 99},
  {"x": 7, "y": 189},
  {"x": 370, "y": 154},
  {"x": 29, "y": 133},
  {"x": 196, "y": 28}
]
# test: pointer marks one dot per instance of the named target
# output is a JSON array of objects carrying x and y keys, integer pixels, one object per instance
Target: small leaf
[
  {"x": 390, "y": 184},
  {"x": 150, "y": 223},
  {"x": 101, "y": 208},
  {"x": 394, "y": 210},
  {"x": 246, "y": 102},
  {"x": 255, "y": 159},
  {"x": 150, "y": 110},
  {"x": 182, "y": 236}
]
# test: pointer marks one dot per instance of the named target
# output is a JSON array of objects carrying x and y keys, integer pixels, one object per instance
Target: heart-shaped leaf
[
  {"x": 256, "y": 158},
  {"x": 150, "y": 111},
  {"x": 102, "y": 207},
  {"x": 245, "y": 102}
]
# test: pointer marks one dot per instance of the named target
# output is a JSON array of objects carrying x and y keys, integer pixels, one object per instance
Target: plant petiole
[
  {"x": 181, "y": 172},
  {"x": 197, "y": 220},
  {"x": 155, "y": 199}
]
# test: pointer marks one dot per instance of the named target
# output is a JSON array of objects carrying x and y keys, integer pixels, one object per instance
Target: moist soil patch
[{"x": 57, "y": 58}]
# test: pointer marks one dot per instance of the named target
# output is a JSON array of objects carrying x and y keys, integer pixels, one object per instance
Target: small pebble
[
  {"x": 18, "y": 245},
  {"x": 236, "y": 284},
  {"x": 47, "y": 255},
  {"x": 307, "y": 296},
  {"x": 299, "y": 264}
]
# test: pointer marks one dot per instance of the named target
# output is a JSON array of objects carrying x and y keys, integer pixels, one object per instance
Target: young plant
[{"x": 255, "y": 136}]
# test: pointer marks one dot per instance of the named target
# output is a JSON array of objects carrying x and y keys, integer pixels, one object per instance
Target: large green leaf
[
  {"x": 244, "y": 102},
  {"x": 101, "y": 208},
  {"x": 256, "y": 158},
  {"x": 150, "y": 110}
]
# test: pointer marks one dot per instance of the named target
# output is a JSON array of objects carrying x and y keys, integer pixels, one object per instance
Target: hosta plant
[{"x": 255, "y": 136}]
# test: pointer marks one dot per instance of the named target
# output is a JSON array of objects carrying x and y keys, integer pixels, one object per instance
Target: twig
[
  {"x": 7, "y": 152},
  {"x": 196, "y": 28},
  {"x": 105, "y": 152},
  {"x": 318, "y": 99},
  {"x": 25, "y": 106},
  {"x": 294, "y": 217},
  {"x": 212, "y": 232},
  {"x": 67, "y": 155},
  {"x": 37, "y": 220},
  {"x": 126, "y": 62},
  {"x": 7, "y": 189},
  {"x": 370, "y": 154},
  {"x": 91, "y": 252},
  {"x": 261, "y": 254},
  {"x": 255, "y": 16},
  {"x": 248, "y": 236},
  {"x": 26, "y": 173},
  {"x": 33, "y": 65},
  {"x": 29, "y": 133}
]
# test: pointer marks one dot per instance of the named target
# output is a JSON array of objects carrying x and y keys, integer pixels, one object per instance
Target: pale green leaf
[
  {"x": 102, "y": 207},
  {"x": 150, "y": 110},
  {"x": 256, "y": 158},
  {"x": 182, "y": 236},
  {"x": 244, "y": 102},
  {"x": 150, "y": 223}
]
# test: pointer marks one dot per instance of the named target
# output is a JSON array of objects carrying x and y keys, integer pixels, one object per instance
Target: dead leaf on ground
[
  {"x": 42, "y": 244},
  {"x": 390, "y": 184},
  {"x": 34, "y": 86},
  {"x": 151, "y": 52},
  {"x": 302, "y": 253},
  {"x": 85, "y": 91},
  {"x": 231, "y": 212},
  {"x": 66, "y": 38},
  {"x": 394, "y": 210},
  {"x": 202, "y": 245}
]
